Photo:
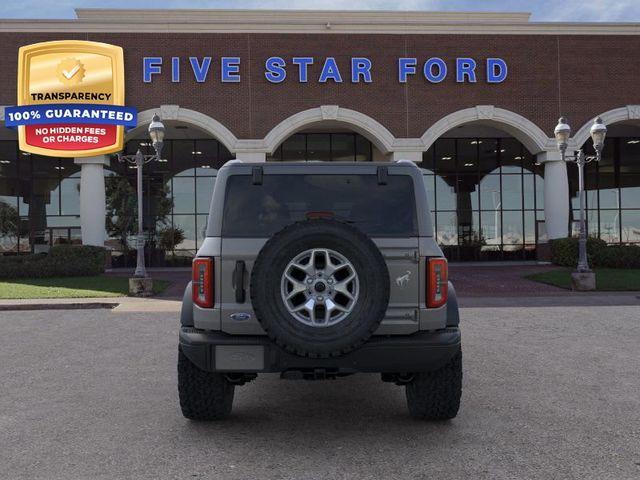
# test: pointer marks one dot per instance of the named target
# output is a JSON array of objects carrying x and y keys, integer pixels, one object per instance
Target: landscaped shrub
[
  {"x": 618, "y": 256},
  {"x": 61, "y": 261},
  {"x": 564, "y": 252}
]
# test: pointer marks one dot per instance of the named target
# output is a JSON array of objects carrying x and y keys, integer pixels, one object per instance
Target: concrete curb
[{"x": 57, "y": 306}]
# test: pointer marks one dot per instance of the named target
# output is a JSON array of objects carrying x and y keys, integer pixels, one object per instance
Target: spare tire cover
[{"x": 320, "y": 288}]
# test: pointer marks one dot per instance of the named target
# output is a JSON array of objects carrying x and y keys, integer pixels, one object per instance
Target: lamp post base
[
  {"x": 141, "y": 286},
  {"x": 583, "y": 281}
]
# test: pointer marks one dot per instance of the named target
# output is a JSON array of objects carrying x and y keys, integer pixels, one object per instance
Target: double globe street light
[
  {"x": 583, "y": 278},
  {"x": 141, "y": 284}
]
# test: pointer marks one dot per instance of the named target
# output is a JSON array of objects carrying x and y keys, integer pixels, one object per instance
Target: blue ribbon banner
[{"x": 70, "y": 113}]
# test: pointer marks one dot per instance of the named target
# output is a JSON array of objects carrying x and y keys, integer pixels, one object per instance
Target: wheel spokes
[{"x": 320, "y": 287}]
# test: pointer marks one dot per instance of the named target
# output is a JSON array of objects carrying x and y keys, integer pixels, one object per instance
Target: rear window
[{"x": 262, "y": 210}]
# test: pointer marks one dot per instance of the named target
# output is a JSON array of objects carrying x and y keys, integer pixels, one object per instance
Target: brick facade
[{"x": 575, "y": 75}]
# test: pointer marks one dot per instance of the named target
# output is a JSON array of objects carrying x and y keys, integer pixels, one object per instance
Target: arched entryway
[
  {"x": 486, "y": 185},
  {"x": 39, "y": 199},
  {"x": 329, "y": 133},
  {"x": 177, "y": 193},
  {"x": 612, "y": 185}
]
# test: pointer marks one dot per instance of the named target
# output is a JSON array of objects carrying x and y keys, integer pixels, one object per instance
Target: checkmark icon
[{"x": 71, "y": 73}]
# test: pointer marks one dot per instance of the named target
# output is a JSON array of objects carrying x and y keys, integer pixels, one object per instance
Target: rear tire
[
  {"x": 436, "y": 395},
  {"x": 203, "y": 395}
]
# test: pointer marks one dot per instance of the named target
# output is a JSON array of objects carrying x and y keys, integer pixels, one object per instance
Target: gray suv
[{"x": 317, "y": 271}]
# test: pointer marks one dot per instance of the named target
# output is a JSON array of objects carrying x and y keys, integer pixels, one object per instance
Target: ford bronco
[{"x": 317, "y": 271}]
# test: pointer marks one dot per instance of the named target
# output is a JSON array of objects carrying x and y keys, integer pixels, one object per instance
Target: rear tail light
[
  {"x": 437, "y": 282},
  {"x": 202, "y": 282}
]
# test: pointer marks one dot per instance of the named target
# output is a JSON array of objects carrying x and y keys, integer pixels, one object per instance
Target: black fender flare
[
  {"x": 453, "y": 313},
  {"x": 186, "y": 312}
]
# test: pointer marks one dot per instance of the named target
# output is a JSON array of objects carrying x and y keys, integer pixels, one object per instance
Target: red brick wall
[{"x": 578, "y": 76}]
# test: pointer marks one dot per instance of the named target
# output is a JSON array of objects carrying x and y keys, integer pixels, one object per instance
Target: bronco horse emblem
[{"x": 403, "y": 280}]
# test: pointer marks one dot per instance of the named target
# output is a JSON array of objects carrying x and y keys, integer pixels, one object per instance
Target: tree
[
  {"x": 122, "y": 208},
  {"x": 9, "y": 221},
  {"x": 169, "y": 237}
]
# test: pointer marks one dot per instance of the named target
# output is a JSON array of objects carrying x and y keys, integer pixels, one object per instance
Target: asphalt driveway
[{"x": 548, "y": 393}]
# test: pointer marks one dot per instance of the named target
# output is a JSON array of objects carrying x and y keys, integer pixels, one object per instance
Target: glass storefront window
[
  {"x": 188, "y": 225},
  {"x": 8, "y": 159},
  {"x": 530, "y": 227},
  {"x": 445, "y": 161},
  {"x": 445, "y": 197},
  {"x": 630, "y": 222},
  {"x": 491, "y": 224},
  {"x": 183, "y": 190},
  {"x": 319, "y": 147},
  {"x": 512, "y": 228},
  {"x": 612, "y": 190},
  {"x": 294, "y": 148},
  {"x": 182, "y": 157},
  {"x": 512, "y": 192},
  {"x": 511, "y": 156},
  {"x": 364, "y": 149},
  {"x": 490, "y": 194},
  {"x": 485, "y": 193},
  {"x": 343, "y": 147},
  {"x": 447, "y": 228},
  {"x": 630, "y": 190},
  {"x": 70, "y": 196},
  {"x": 487, "y": 198},
  {"x": 204, "y": 191},
  {"x": 609, "y": 226}
]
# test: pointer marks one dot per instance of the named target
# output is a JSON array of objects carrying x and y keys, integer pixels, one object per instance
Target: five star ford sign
[{"x": 70, "y": 99}]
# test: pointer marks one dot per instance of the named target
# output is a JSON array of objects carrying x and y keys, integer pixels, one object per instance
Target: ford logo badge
[{"x": 240, "y": 316}]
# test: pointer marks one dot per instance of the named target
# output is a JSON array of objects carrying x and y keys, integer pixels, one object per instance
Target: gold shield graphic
[{"x": 71, "y": 72}]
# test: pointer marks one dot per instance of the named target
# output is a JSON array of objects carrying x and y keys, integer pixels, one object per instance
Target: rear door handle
[{"x": 238, "y": 281}]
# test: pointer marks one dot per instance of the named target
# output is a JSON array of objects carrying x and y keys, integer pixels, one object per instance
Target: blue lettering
[
  {"x": 151, "y": 66},
  {"x": 428, "y": 70},
  {"x": 496, "y": 70},
  {"x": 465, "y": 67},
  {"x": 230, "y": 69},
  {"x": 275, "y": 69},
  {"x": 303, "y": 64},
  {"x": 175, "y": 69},
  {"x": 406, "y": 66},
  {"x": 200, "y": 71},
  {"x": 330, "y": 71},
  {"x": 360, "y": 67}
]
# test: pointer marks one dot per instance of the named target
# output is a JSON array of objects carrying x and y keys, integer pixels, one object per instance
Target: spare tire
[{"x": 320, "y": 288}]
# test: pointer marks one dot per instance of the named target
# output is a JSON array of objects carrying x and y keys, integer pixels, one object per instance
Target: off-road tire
[
  {"x": 311, "y": 341},
  {"x": 203, "y": 395},
  {"x": 436, "y": 395}
]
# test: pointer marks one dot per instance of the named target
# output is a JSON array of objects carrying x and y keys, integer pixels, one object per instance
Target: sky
[{"x": 542, "y": 10}]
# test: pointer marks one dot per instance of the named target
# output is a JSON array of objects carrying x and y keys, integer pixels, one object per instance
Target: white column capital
[
  {"x": 407, "y": 155},
  {"x": 251, "y": 156},
  {"x": 97, "y": 160},
  {"x": 549, "y": 156}
]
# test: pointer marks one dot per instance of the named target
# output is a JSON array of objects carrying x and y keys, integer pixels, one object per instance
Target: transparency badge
[{"x": 70, "y": 99}]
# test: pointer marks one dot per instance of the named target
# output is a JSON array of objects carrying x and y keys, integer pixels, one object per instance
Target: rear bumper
[{"x": 423, "y": 351}]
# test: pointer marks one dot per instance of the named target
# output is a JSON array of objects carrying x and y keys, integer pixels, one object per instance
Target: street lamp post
[
  {"x": 562, "y": 133},
  {"x": 156, "y": 133}
]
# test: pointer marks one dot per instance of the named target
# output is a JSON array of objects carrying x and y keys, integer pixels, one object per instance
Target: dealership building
[{"x": 471, "y": 98}]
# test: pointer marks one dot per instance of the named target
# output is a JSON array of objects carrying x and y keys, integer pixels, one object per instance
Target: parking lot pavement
[{"x": 548, "y": 393}]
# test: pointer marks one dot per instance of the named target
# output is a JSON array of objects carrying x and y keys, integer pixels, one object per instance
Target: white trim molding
[
  {"x": 531, "y": 136},
  {"x": 192, "y": 117},
  {"x": 622, "y": 114},
  {"x": 312, "y": 21},
  {"x": 373, "y": 130}
]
